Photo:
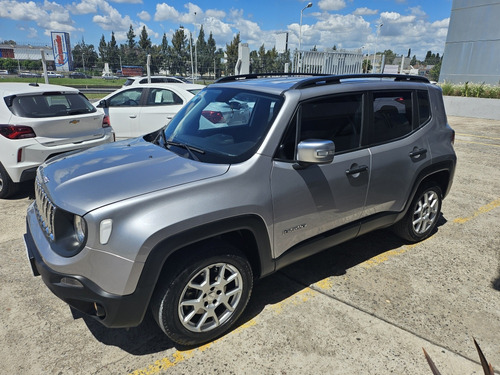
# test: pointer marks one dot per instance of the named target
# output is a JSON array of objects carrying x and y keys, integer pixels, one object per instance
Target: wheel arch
[{"x": 249, "y": 230}]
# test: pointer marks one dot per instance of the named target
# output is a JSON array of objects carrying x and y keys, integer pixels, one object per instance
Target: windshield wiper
[{"x": 190, "y": 149}]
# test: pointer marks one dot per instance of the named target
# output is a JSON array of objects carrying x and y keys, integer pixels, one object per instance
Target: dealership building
[{"x": 472, "y": 50}]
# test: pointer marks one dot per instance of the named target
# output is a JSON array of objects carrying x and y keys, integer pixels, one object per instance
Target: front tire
[
  {"x": 422, "y": 216},
  {"x": 206, "y": 298}
]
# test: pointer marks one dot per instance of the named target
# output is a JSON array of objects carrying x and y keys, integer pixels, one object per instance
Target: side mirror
[
  {"x": 103, "y": 104},
  {"x": 315, "y": 151}
]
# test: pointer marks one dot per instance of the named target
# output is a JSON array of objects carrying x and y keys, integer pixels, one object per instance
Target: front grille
[{"x": 45, "y": 211}]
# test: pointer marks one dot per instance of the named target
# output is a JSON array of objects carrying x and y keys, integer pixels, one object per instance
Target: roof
[
  {"x": 10, "y": 88},
  {"x": 278, "y": 83}
]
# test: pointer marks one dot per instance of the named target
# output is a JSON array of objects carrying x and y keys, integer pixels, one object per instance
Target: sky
[{"x": 398, "y": 25}]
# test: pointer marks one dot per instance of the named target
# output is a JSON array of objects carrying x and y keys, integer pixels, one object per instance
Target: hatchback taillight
[
  {"x": 105, "y": 122},
  {"x": 16, "y": 131}
]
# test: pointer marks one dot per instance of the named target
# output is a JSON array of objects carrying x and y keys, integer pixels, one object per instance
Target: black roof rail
[
  {"x": 333, "y": 79},
  {"x": 265, "y": 75}
]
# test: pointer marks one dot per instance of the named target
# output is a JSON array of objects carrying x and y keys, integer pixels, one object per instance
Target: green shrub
[{"x": 471, "y": 90}]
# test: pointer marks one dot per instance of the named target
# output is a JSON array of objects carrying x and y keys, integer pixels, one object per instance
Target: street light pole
[
  {"x": 300, "y": 28},
  {"x": 299, "y": 59}
]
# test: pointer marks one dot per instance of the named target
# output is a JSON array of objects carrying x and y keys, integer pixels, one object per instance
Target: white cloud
[
  {"x": 365, "y": 12},
  {"x": 165, "y": 12},
  {"x": 329, "y": 5},
  {"x": 144, "y": 16}
]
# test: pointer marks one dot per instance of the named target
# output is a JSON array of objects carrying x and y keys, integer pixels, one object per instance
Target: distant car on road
[
  {"x": 28, "y": 74},
  {"x": 78, "y": 75},
  {"x": 137, "y": 110},
  {"x": 109, "y": 76},
  {"x": 54, "y": 75},
  {"x": 4, "y": 72}
]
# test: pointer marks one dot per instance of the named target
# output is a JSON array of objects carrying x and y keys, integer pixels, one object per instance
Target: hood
[{"x": 82, "y": 181}]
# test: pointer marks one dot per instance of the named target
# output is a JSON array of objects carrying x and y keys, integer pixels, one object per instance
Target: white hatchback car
[
  {"x": 38, "y": 121},
  {"x": 140, "y": 80},
  {"x": 141, "y": 109}
]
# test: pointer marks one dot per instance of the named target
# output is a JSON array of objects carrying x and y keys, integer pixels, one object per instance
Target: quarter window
[
  {"x": 424, "y": 112},
  {"x": 392, "y": 115}
]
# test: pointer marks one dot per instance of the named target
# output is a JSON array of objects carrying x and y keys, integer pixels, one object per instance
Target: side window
[
  {"x": 392, "y": 115},
  {"x": 128, "y": 98},
  {"x": 336, "y": 118},
  {"x": 424, "y": 108},
  {"x": 163, "y": 97}
]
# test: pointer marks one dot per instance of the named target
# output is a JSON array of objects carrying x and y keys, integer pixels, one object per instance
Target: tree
[
  {"x": 131, "y": 38},
  {"x": 435, "y": 71},
  {"x": 84, "y": 55},
  {"x": 413, "y": 61},
  {"x": 113, "y": 53},
  {"x": 103, "y": 50},
  {"x": 232, "y": 54},
  {"x": 203, "y": 58},
  {"x": 144, "y": 40},
  {"x": 178, "y": 52},
  {"x": 389, "y": 56},
  {"x": 211, "y": 51}
]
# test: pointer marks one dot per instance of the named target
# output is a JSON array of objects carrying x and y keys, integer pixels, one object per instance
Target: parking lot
[{"x": 368, "y": 306}]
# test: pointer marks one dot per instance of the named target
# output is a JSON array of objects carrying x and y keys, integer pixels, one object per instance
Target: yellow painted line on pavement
[
  {"x": 476, "y": 136},
  {"x": 178, "y": 357},
  {"x": 482, "y": 210},
  {"x": 476, "y": 143},
  {"x": 381, "y": 258}
]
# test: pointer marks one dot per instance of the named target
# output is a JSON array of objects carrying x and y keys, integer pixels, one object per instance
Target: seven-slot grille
[{"x": 45, "y": 211}]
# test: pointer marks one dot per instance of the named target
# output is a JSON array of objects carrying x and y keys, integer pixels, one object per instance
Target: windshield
[{"x": 227, "y": 125}]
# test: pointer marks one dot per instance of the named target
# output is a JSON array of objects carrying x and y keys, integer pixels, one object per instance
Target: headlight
[{"x": 80, "y": 228}]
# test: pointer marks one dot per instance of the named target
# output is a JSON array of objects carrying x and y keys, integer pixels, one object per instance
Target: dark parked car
[{"x": 78, "y": 75}]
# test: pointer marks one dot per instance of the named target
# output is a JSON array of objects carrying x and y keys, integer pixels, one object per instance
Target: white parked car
[
  {"x": 140, "y": 80},
  {"x": 141, "y": 109},
  {"x": 38, "y": 121}
]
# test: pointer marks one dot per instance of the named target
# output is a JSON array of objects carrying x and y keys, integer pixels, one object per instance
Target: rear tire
[
  {"x": 422, "y": 216},
  {"x": 7, "y": 187},
  {"x": 205, "y": 297}
]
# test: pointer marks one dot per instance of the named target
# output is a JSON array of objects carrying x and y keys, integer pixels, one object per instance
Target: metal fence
[{"x": 333, "y": 62}]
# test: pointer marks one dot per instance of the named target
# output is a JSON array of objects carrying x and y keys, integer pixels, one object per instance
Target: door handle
[
  {"x": 356, "y": 170},
  {"x": 132, "y": 116},
  {"x": 417, "y": 152}
]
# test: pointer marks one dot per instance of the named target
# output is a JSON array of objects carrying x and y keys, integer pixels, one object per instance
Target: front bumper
[{"x": 85, "y": 296}]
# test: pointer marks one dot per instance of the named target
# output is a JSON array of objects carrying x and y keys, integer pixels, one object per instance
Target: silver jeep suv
[{"x": 251, "y": 175}]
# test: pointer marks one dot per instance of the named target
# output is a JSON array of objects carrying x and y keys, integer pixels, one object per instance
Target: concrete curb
[{"x": 472, "y": 107}]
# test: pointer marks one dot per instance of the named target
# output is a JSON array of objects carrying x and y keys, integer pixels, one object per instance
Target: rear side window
[
  {"x": 392, "y": 115},
  {"x": 49, "y": 105},
  {"x": 424, "y": 108}
]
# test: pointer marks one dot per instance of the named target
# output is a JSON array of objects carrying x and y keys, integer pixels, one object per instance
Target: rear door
[
  {"x": 399, "y": 149},
  {"x": 313, "y": 200}
]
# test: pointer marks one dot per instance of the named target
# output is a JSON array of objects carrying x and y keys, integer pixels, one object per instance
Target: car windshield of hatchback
[
  {"x": 49, "y": 104},
  {"x": 221, "y": 125}
]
